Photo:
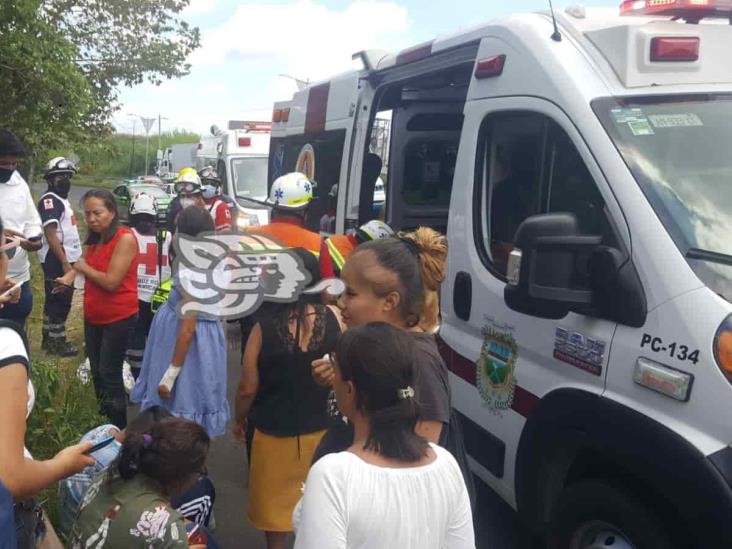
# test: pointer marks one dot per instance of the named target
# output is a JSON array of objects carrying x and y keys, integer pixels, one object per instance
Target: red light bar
[
  {"x": 285, "y": 115},
  {"x": 677, "y": 49},
  {"x": 245, "y": 141},
  {"x": 689, "y": 10},
  {"x": 489, "y": 67},
  {"x": 277, "y": 115}
]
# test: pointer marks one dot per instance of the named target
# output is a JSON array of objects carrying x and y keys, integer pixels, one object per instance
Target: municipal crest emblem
[{"x": 496, "y": 367}]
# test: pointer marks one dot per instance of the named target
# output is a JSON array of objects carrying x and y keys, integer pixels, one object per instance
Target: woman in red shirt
[{"x": 109, "y": 265}]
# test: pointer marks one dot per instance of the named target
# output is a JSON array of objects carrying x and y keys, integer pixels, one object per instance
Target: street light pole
[{"x": 132, "y": 156}]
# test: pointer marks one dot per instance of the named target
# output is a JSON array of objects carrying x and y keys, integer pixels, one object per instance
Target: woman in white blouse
[{"x": 391, "y": 488}]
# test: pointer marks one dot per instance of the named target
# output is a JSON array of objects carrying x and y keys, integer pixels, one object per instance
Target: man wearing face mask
[
  {"x": 210, "y": 190},
  {"x": 61, "y": 248},
  {"x": 22, "y": 225}
]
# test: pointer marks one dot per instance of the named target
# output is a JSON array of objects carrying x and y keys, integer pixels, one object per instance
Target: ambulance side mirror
[
  {"x": 542, "y": 268},
  {"x": 553, "y": 270}
]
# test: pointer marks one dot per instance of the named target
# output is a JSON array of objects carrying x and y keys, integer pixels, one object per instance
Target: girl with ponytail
[{"x": 390, "y": 488}]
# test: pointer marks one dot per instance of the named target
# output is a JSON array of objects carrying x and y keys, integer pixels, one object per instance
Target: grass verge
[{"x": 65, "y": 408}]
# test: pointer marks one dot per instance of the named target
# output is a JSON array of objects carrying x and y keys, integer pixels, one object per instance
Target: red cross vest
[{"x": 148, "y": 276}]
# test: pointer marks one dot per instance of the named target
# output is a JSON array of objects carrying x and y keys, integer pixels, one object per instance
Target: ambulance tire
[{"x": 593, "y": 514}]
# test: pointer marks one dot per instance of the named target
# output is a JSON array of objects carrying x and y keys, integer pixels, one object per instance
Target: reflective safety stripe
[{"x": 335, "y": 254}]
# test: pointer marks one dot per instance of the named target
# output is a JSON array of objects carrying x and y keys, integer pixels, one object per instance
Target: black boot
[{"x": 65, "y": 348}]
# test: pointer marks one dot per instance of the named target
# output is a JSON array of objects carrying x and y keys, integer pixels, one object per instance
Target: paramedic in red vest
[
  {"x": 335, "y": 249},
  {"x": 211, "y": 191},
  {"x": 61, "y": 248},
  {"x": 153, "y": 245},
  {"x": 290, "y": 197}
]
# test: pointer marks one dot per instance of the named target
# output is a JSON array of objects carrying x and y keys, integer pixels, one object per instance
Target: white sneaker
[
  {"x": 127, "y": 378},
  {"x": 83, "y": 372}
]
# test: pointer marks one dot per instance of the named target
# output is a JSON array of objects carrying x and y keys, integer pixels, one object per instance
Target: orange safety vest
[{"x": 290, "y": 235}]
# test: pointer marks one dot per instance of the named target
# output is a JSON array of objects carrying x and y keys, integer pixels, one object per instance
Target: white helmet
[
  {"x": 374, "y": 230},
  {"x": 58, "y": 166},
  {"x": 143, "y": 203},
  {"x": 291, "y": 191}
]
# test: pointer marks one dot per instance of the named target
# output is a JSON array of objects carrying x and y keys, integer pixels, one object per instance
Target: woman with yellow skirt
[{"x": 289, "y": 410}]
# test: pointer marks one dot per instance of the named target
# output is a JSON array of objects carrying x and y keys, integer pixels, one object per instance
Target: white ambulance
[
  {"x": 583, "y": 175},
  {"x": 241, "y": 163}
]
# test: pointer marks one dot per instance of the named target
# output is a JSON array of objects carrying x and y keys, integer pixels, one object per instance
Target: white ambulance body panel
[{"x": 516, "y": 375}]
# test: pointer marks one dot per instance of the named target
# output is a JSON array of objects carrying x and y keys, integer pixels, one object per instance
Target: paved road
[
  {"x": 75, "y": 193},
  {"x": 496, "y": 523}
]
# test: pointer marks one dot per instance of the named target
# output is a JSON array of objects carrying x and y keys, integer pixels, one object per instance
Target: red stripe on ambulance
[
  {"x": 524, "y": 402},
  {"x": 317, "y": 108}
]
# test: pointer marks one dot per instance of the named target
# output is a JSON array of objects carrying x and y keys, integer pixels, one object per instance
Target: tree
[
  {"x": 45, "y": 97},
  {"x": 62, "y": 62},
  {"x": 124, "y": 42}
]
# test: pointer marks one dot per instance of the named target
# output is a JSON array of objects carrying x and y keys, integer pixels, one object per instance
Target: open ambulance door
[{"x": 408, "y": 127}]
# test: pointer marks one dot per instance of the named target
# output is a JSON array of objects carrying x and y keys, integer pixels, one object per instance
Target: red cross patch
[
  {"x": 150, "y": 259},
  {"x": 48, "y": 204}
]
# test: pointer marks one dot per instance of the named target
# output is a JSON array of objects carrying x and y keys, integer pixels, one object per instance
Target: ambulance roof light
[
  {"x": 245, "y": 141},
  {"x": 691, "y": 11}
]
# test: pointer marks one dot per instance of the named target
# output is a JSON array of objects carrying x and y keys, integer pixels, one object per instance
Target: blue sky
[{"x": 246, "y": 45}]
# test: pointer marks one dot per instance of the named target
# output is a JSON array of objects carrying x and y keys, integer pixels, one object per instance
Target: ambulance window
[
  {"x": 571, "y": 188},
  {"x": 528, "y": 165},
  {"x": 511, "y": 159}
]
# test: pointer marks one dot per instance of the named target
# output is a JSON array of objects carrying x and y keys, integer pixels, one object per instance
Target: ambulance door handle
[{"x": 462, "y": 296}]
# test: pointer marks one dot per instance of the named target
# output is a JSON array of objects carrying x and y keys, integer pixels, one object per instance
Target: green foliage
[
  {"x": 62, "y": 62},
  {"x": 46, "y": 98},
  {"x": 124, "y": 42},
  {"x": 112, "y": 156}
]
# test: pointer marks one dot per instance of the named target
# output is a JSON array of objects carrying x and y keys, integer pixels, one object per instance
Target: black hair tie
[{"x": 411, "y": 245}]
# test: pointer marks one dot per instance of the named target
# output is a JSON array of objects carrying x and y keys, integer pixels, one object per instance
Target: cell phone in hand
[
  {"x": 103, "y": 443},
  {"x": 10, "y": 290}
]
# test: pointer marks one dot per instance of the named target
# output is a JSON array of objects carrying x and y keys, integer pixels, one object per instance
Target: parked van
[
  {"x": 241, "y": 163},
  {"x": 581, "y": 172}
]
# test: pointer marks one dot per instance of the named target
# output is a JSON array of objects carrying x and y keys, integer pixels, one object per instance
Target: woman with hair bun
[
  {"x": 129, "y": 505},
  {"x": 397, "y": 281},
  {"x": 390, "y": 488}
]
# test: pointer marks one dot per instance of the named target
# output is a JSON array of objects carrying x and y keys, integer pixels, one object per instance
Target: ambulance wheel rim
[{"x": 600, "y": 535}]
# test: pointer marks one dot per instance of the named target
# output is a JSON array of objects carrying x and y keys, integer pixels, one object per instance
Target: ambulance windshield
[
  {"x": 250, "y": 177},
  {"x": 679, "y": 149}
]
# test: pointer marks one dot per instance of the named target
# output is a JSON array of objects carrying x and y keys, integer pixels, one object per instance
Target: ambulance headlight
[
  {"x": 244, "y": 221},
  {"x": 723, "y": 347}
]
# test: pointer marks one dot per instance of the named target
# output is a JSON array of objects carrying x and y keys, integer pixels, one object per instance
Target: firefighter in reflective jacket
[
  {"x": 290, "y": 197},
  {"x": 335, "y": 249}
]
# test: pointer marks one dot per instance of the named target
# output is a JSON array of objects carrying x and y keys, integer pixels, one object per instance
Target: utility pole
[
  {"x": 132, "y": 156},
  {"x": 147, "y": 123}
]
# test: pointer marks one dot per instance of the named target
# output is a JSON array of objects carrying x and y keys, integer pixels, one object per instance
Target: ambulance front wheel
[{"x": 598, "y": 514}]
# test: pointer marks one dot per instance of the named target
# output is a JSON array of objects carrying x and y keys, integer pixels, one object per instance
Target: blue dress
[{"x": 199, "y": 393}]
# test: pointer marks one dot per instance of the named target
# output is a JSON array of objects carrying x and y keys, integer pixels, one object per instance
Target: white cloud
[
  {"x": 315, "y": 41},
  {"x": 234, "y": 74}
]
